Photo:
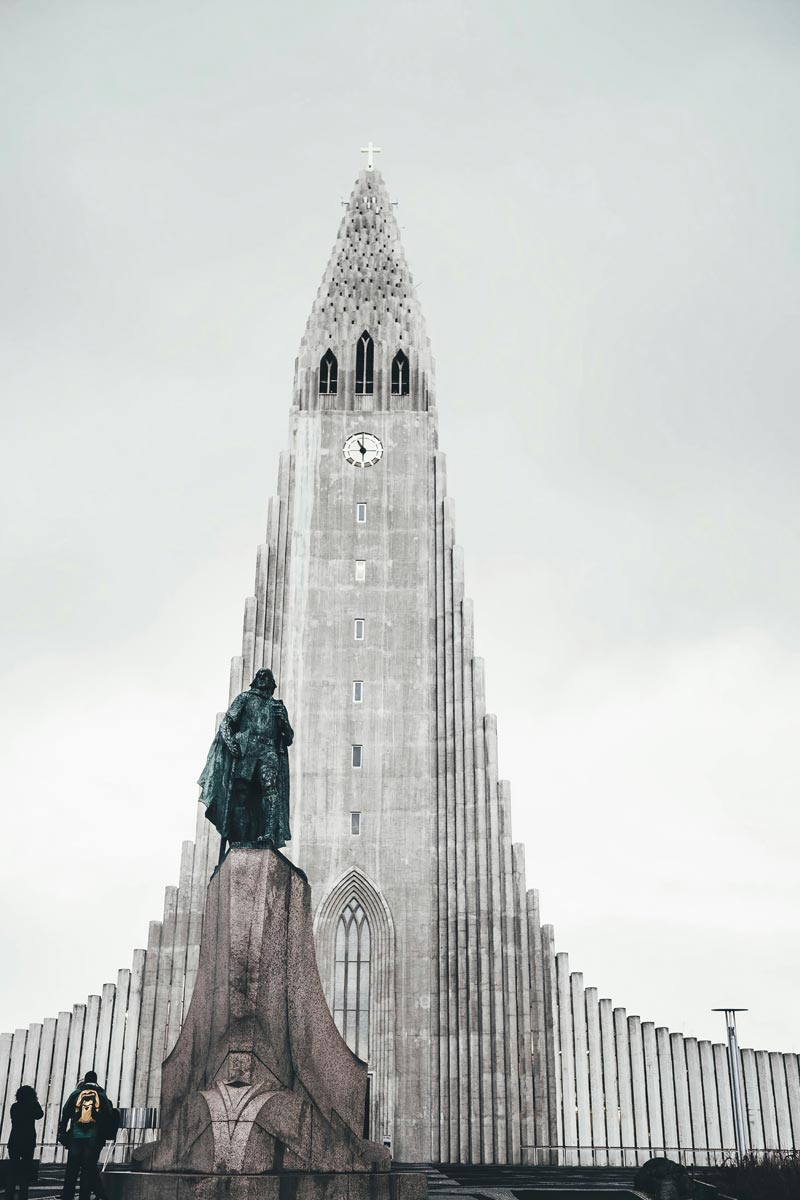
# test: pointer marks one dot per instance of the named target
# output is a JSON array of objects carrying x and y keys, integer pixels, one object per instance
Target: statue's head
[{"x": 264, "y": 681}]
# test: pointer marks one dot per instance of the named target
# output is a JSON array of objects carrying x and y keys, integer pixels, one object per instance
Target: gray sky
[{"x": 600, "y": 203}]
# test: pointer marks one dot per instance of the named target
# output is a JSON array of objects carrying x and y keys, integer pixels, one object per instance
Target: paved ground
[
  {"x": 529, "y": 1183},
  {"x": 470, "y": 1183}
]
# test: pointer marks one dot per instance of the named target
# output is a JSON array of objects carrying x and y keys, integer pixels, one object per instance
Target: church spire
[{"x": 365, "y": 346}]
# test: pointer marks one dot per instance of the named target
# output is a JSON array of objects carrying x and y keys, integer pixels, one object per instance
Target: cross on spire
[{"x": 370, "y": 150}]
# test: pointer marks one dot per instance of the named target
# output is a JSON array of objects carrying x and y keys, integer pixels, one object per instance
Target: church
[{"x": 482, "y": 1045}]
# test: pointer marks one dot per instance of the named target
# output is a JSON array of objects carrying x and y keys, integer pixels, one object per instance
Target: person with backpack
[
  {"x": 25, "y": 1112},
  {"x": 86, "y": 1122}
]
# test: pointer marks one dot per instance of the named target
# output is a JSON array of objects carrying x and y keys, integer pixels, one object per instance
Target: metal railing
[{"x": 635, "y": 1156}]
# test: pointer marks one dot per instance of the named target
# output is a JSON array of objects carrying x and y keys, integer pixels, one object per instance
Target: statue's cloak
[
  {"x": 247, "y": 796},
  {"x": 216, "y": 785}
]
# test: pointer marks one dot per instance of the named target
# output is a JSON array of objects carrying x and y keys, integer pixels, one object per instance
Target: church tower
[
  {"x": 398, "y": 818},
  {"x": 481, "y": 1044}
]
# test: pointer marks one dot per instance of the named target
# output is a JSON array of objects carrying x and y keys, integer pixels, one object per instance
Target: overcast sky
[{"x": 599, "y": 200}]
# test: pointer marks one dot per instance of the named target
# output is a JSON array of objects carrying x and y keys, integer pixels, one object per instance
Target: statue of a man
[{"x": 245, "y": 782}]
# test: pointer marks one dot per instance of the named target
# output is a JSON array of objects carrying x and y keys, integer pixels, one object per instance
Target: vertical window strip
[
  {"x": 352, "y": 978},
  {"x": 365, "y": 353}
]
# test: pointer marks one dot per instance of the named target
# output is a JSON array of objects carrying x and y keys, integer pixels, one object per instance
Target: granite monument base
[{"x": 261, "y": 1097}]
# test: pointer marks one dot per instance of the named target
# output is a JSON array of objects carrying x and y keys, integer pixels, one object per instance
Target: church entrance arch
[{"x": 355, "y": 940}]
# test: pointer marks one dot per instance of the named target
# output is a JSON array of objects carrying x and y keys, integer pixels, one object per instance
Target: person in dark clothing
[
  {"x": 25, "y": 1112},
  {"x": 85, "y": 1118}
]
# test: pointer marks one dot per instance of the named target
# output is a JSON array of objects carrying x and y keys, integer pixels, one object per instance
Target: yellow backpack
[{"x": 87, "y": 1109}]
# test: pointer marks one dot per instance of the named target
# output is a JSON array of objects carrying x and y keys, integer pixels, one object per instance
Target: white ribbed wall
[{"x": 629, "y": 1090}]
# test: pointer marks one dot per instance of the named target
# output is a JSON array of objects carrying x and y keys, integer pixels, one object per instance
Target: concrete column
[
  {"x": 668, "y": 1114},
  {"x": 792, "y": 1067},
  {"x": 440, "y": 1066},
  {"x": 128, "y": 1073},
  {"x": 141, "y": 1077},
  {"x": 502, "y": 1102},
  {"x": 54, "y": 1092},
  {"x": 281, "y": 572},
  {"x": 752, "y": 1100},
  {"x": 44, "y": 1068},
  {"x": 273, "y": 525},
  {"x": 625, "y": 1082},
  {"x": 541, "y": 1115},
  {"x": 713, "y": 1132},
  {"x": 683, "y": 1112},
  {"x": 262, "y": 575},
  {"x": 522, "y": 957},
  {"x": 235, "y": 681},
  {"x": 107, "y": 1001},
  {"x": 163, "y": 987},
  {"x": 652, "y": 1077},
  {"x": 445, "y": 566},
  {"x": 131, "y": 1014},
  {"x": 212, "y": 858},
  {"x": 581, "y": 1069},
  {"x": 484, "y": 911},
  {"x": 780, "y": 1092},
  {"x": 768, "y": 1116},
  {"x": 90, "y": 1023},
  {"x": 114, "y": 1073},
  {"x": 180, "y": 945},
  {"x": 696, "y": 1102},
  {"x": 610, "y": 1089},
  {"x": 72, "y": 1072},
  {"x": 722, "y": 1074},
  {"x": 6, "y": 1041},
  {"x": 639, "y": 1089},
  {"x": 455, "y": 579},
  {"x": 248, "y": 640},
  {"x": 32, "y": 1044},
  {"x": 14, "y": 1079},
  {"x": 553, "y": 1041},
  {"x": 197, "y": 902},
  {"x": 513, "y": 1086},
  {"x": 569, "y": 1103},
  {"x": 595, "y": 1059},
  {"x": 479, "y": 1098}
]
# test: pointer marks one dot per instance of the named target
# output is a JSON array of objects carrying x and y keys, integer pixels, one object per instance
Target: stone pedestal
[{"x": 261, "y": 1094}]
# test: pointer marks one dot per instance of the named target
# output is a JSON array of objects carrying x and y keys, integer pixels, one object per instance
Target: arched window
[
  {"x": 365, "y": 353},
  {"x": 400, "y": 374},
  {"x": 351, "y": 979},
  {"x": 328, "y": 374}
]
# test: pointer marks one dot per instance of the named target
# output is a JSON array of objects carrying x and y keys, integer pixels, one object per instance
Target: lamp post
[{"x": 735, "y": 1072}]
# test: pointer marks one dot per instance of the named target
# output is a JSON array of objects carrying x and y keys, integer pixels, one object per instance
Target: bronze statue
[{"x": 245, "y": 782}]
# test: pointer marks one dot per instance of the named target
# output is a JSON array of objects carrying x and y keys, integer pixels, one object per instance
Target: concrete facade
[{"x": 481, "y": 1044}]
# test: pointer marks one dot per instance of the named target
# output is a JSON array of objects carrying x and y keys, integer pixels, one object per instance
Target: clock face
[{"x": 362, "y": 450}]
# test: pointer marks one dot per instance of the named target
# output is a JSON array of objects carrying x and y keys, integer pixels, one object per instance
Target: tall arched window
[
  {"x": 365, "y": 353},
  {"x": 400, "y": 374},
  {"x": 328, "y": 374},
  {"x": 351, "y": 979}
]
